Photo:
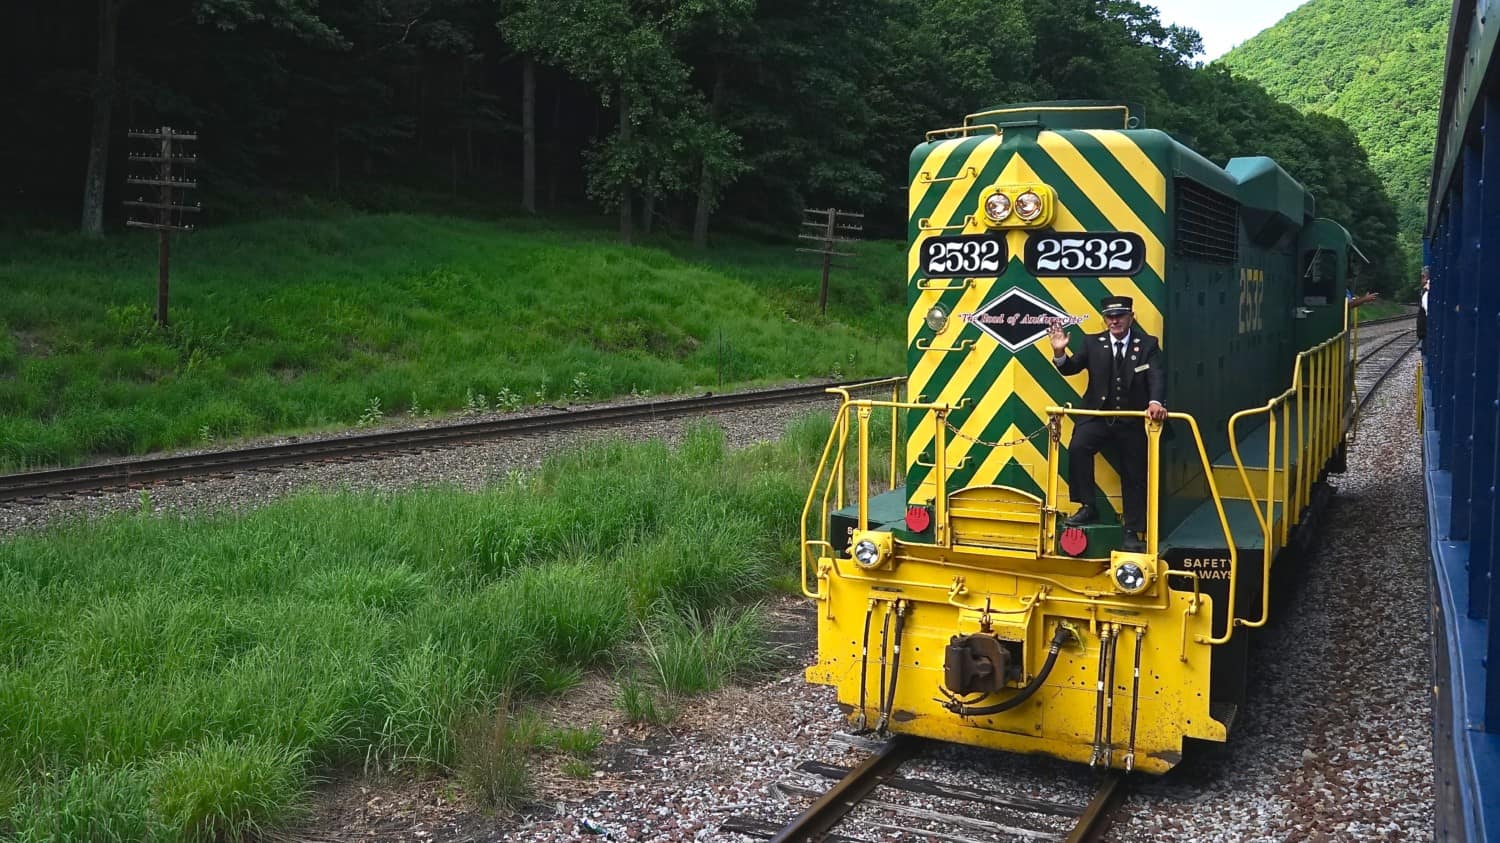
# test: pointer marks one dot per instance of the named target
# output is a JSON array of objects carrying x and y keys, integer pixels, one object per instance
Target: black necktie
[{"x": 1119, "y": 352}]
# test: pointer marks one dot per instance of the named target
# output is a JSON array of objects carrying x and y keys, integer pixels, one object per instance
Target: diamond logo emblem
[{"x": 1017, "y": 319}]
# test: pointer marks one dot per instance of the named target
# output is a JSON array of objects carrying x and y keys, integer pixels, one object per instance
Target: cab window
[{"x": 1319, "y": 276}]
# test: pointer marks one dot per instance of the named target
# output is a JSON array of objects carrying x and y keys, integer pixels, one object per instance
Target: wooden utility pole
[
  {"x": 528, "y": 135},
  {"x": 830, "y": 226},
  {"x": 163, "y": 215}
]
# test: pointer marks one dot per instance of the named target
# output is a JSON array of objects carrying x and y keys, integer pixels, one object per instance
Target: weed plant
[
  {"x": 643, "y": 704},
  {"x": 493, "y": 757},
  {"x": 286, "y": 325},
  {"x": 690, "y": 652},
  {"x": 167, "y": 679}
]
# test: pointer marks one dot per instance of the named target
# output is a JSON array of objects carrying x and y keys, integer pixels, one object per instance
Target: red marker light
[
  {"x": 918, "y": 519},
  {"x": 1073, "y": 541}
]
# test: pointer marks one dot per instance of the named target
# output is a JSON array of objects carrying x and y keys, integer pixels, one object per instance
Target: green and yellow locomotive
[{"x": 953, "y": 602}]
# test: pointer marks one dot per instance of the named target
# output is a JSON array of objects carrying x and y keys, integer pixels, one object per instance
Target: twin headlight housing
[{"x": 1018, "y": 206}]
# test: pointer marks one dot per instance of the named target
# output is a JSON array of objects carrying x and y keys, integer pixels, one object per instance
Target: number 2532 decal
[
  {"x": 964, "y": 256},
  {"x": 1085, "y": 253}
]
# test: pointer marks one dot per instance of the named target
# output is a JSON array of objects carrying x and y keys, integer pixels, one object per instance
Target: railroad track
[
  {"x": 39, "y": 486},
  {"x": 863, "y": 789},
  {"x": 1376, "y": 363},
  {"x": 1389, "y": 319}
]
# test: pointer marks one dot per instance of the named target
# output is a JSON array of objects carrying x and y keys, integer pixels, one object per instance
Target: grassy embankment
[
  {"x": 171, "y": 680},
  {"x": 292, "y": 325},
  {"x": 1382, "y": 310}
]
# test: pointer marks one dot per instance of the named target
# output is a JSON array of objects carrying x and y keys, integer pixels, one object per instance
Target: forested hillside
[
  {"x": 1375, "y": 64},
  {"x": 683, "y": 114}
]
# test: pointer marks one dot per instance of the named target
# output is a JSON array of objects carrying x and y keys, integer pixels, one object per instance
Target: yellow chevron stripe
[
  {"x": 933, "y": 165},
  {"x": 1013, "y": 378},
  {"x": 1066, "y": 292},
  {"x": 957, "y": 387},
  {"x": 1141, "y": 168},
  {"x": 972, "y": 299},
  {"x": 1021, "y": 381},
  {"x": 954, "y": 390},
  {"x": 943, "y": 214},
  {"x": 1103, "y": 196},
  {"x": 953, "y": 192},
  {"x": 984, "y": 412}
]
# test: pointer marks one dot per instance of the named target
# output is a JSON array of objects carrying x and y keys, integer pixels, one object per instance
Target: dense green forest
[
  {"x": 1378, "y": 66},
  {"x": 678, "y": 113}
]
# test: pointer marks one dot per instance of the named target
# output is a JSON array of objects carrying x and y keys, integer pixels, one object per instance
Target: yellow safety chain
[{"x": 977, "y": 441}]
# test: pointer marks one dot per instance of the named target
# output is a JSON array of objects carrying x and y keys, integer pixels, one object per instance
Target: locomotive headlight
[
  {"x": 997, "y": 207},
  {"x": 871, "y": 549},
  {"x": 1129, "y": 577},
  {"x": 1028, "y": 206},
  {"x": 937, "y": 319},
  {"x": 1132, "y": 573}
]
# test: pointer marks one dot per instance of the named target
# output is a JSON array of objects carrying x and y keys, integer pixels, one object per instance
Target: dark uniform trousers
[
  {"x": 1090, "y": 436},
  {"x": 1129, "y": 436}
]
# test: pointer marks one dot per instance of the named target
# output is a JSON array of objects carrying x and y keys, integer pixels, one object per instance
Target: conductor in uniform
[{"x": 1125, "y": 373}]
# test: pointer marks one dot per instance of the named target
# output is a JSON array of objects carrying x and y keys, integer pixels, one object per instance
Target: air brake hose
[
  {"x": 962, "y": 710},
  {"x": 864, "y": 663},
  {"x": 890, "y": 700}
]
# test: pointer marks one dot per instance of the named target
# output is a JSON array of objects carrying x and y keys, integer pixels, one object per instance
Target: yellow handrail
[
  {"x": 895, "y": 396},
  {"x": 863, "y": 459},
  {"x": 1286, "y": 473},
  {"x": 812, "y": 495},
  {"x": 835, "y": 473},
  {"x": 1318, "y": 383},
  {"x": 996, "y": 112},
  {"x": 1420, "y": 408},
  {"x": 1262, "y": 517},
  {"x": 1153, "y": 458}
]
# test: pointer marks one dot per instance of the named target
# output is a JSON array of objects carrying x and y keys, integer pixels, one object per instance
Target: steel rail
[
  {"x": 1387, "y": 319},
  {"x": 1386, "y": 372},
  {"x": 820, "y": 819},
  {"x": 1367, "y": 354},
  {"x": 1100, "y": 811},
  {"x": 37, "y": 484},
  {"x": 836, "y": 803}
]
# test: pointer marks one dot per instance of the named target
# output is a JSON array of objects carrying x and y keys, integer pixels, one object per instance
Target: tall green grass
[
  {"x": 286, "y": 325},
  {"x": 183, "y": 680}
]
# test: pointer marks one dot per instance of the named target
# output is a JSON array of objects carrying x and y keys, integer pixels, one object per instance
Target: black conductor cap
[{"x": 1116, "y": 305}]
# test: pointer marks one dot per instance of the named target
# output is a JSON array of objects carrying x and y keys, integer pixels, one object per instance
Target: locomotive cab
[{"x": 1328, "y": 262}]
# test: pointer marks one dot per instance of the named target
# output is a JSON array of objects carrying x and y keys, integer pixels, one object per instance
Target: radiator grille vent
[{"x": 1208, "y": 224}]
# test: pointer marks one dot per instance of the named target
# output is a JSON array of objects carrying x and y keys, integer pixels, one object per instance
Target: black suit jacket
[{"x": 1145, "y": 372}]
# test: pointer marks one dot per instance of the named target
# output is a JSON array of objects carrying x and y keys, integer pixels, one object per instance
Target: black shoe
[
  {"x": 1132, "y": 544},
  {"x": 1084, "y": 515}
]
